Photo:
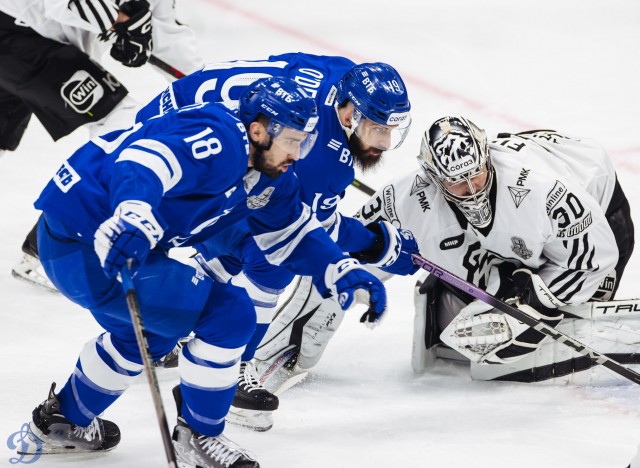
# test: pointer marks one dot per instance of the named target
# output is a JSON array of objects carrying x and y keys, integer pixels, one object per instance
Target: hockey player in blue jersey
[
  {"x": 364, "y": 111},
  {"x": 174, "y": 181}
]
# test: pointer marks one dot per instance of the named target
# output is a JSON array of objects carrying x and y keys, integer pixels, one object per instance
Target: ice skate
[
  {"x": 197, "y": 450},
  {"x": 52, "y": 433},
  {"x": 29, "y": 269},
  {"x": 253, "y": 405}
]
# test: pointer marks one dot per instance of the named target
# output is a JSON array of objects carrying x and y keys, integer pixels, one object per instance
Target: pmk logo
[{"x": 81, "y": 92}]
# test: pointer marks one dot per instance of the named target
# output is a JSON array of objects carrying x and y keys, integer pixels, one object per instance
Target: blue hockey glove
[
  {"x": 133, "y": 43},
  {"x": 343, "y": 278},
  {"x": 130, "y": 233},
  {"x": 391, "y": 251}
]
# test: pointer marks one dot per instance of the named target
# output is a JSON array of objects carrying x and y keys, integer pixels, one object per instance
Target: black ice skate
[
  {"x": 51, "y": 432},
  {"x": 197, "y": 450},
  {"x": 253, "y": 405}
]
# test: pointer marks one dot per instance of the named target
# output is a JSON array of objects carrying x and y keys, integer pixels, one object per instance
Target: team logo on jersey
[
  {"x": 518, "y": 194},
  {"x": 520, "y": 248},
  {"x": 418, "y": 184},
  {"x": 258, "y": 201},
  {"x": 452, "y": 242},
  {"x": 389, "y": 198},
  {"x": 81, "y": 92}
]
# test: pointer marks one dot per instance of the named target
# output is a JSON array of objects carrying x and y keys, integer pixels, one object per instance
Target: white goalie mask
[{"x": 455, "y": 154}]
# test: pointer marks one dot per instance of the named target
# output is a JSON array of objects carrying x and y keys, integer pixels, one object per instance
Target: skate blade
[
  {"x": 259, "y": 421},
  {"x": 34, "y": 280}
]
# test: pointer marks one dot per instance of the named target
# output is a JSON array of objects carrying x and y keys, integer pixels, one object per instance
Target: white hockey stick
[{"x": 518, "y": 314}]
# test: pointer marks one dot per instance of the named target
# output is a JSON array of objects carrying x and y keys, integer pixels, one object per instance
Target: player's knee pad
[
  {"x": 306, "y": 321},
  {"x": 229, "y": 317},
  {"x": 70, "y": 90},
  {"x": 105, "y": 366},
  {"x": 264, "y": 299}
]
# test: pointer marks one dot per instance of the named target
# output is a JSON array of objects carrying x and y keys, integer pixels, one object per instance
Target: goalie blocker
[{"x": 611, "y": 327}]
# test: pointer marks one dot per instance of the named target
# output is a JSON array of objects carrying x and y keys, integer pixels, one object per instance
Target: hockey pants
[{"x": 174, "y": 300}]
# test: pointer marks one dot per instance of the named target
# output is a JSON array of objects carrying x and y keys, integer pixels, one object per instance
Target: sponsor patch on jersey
[
  {"x": 331, "y": 96},
  {"x": 452, "y": 242},
  {"x": 518, "y": 194},
  {"x": 258, "y": 201},
  {"x": 81, "y": 92},
  {"x": 66, "y": 177},
  {"x": 520, "y": 248},
  {"x": 522, "y": 178},
  {"x": 555, "y": 195},
  {"x": 389, "y": 199},
  {"x": 576, "y": 228},
  {"x": 418, "y": 184}
]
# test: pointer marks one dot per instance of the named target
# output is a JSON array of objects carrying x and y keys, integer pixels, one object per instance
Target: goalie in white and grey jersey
[{"x": 536, "y": 216}]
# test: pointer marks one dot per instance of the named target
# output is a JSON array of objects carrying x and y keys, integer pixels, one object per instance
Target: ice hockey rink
[{"x": 570, "y": 65}]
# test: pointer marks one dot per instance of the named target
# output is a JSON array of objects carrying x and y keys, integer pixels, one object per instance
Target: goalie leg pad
[{"x": 306, "y": 321}]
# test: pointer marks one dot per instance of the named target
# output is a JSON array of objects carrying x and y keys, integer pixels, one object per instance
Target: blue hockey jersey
[
  {"x": 191, "y": 166},
  {"x": 327, "y": 170}
]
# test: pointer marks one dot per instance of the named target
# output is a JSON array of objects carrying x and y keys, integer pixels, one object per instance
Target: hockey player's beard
[
  {"x": 365, "y": 158},
  {"x": 260, "y": 164}
]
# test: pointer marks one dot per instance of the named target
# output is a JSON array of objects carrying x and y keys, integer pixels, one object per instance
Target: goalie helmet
[
  {"x": 286, "y": 106},
  {"x": 378, "y": 94},
  {"x": 455, "y": 155}
]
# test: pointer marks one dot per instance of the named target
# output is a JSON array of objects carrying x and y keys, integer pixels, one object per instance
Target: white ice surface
[{"x": 569, "y": 65}]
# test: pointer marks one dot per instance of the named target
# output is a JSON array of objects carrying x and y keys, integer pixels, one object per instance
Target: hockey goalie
[{"x": 536, "y": 218}]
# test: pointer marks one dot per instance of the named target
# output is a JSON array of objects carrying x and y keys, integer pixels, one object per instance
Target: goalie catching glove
[
  {"x": 133, "y": 43},
  {"x": 131, "y": 232},
  {"x": 391, "y": 251},
  {"x": 343, "y": 278},
  {"x": 483, "y": 334}
]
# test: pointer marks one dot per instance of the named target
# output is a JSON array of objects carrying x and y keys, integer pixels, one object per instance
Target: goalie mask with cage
[
  {"x": 455, "y": 155},
  {"x": 381, "y": 117}
]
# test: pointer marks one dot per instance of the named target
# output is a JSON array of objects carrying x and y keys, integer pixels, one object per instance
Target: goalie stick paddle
[
  {"x": 138, "y": 327},
  {"x": 516, "y": 313}
]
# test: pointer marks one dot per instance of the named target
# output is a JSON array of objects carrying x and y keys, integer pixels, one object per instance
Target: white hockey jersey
[
  {"x": 79, "y": 22},
  {"x": 549, "y": 197}
]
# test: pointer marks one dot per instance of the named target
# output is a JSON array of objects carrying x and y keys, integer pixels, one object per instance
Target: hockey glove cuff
[
  {"x": 343, "y": 278},
  {"x": 392, "y": 249},
  {"x": 131, "y": 232},
  {"x": 133, "y": 43}
]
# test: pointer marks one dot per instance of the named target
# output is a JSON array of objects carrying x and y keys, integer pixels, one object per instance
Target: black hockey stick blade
[
  {"x": 138, "y": 327},
  {"x": 165, "y": 67},
  {"x": 363, "y": 187},
  {"x": 518, "y": 314}
]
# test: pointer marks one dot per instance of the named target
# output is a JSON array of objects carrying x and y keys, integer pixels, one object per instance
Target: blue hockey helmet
[
  {"x": 286, "y": 106},
  {"x": 378, "y": 94}
]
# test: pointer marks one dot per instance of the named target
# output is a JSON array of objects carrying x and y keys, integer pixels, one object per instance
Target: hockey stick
[
  {"x": 363, "y": 187},
  {"x": 518, "y": 314},
  {"x": 165, "y": 67},
  {"x": 138, "y": 327}
]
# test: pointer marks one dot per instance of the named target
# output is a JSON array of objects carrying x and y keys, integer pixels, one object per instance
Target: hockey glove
[
  {"x": 392, "y": 249},
  {"x": 133, "y": 43},
  {"x": 130, "y": 233},
  {"x": 343, "y": 278}
]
